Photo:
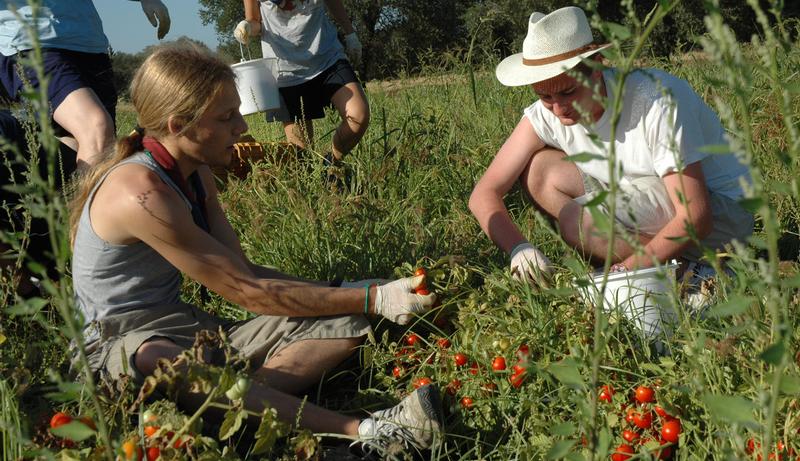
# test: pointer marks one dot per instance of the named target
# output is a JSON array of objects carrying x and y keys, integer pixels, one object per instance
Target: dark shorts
[
  {"x": 68, "y": 71},
  {"x": 308, "y": 100},
  {"x": 13, "y": 171}
]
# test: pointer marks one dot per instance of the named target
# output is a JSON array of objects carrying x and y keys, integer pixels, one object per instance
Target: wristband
[
  {"x": 520, "y": 246},
  {"x": 366, "y": 299}
]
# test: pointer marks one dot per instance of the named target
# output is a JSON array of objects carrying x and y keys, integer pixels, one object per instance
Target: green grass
[{"x": 729, "y": 376}]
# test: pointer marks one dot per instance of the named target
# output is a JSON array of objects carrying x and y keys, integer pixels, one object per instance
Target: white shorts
[{"x": 643, "y": 206}]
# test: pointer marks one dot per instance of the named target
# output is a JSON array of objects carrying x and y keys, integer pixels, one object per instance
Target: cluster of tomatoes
[
  {"x": 156, "y": 439},
  {"x": 753, "y": 447},
  {"x": 413, "y": 352},
  {"x": 647, "y": 425}
]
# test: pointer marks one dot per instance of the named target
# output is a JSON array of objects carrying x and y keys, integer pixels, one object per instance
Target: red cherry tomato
[
  {"x": 643, "y": 420},
  {"x": 645, "y": 394},
  {"x": 499, "y": 364},
  {"x": 752, "y": 446},
  {"x": 419, "y": 382},
  {"x": 474, "y": 368},
  {"x": 660, "y": 411},
  {"x": 59, "y": 419},
  {"x": 422, "y": 288},
  {"x": 420, "y": 271},
  {"x": 629, "y": 414},
  {"x": 412, "y": 339},
  {"x": 444, "y": 343},
  {"x": 516, "y": 379},
  {"x": 523, "y": 352},
  {"x": 670, "y": 431},
  {"x": 466, "y": 402},
  {"x": 453, "y": 386},
  {"x": 153, "y": 453},
  {"x": 397, "y": 372},
  {"x": 629, "y": 435},
  {"x": 132, "y": 451},
  {"x": 423, "y": 291},
  {"x": 622, "y": 453},
  {"x": 518, "y": 369},
  {"x": 149, "y": 431},
  {"x": 460, "y": 359},
  {"x": 605, "y": 393}
]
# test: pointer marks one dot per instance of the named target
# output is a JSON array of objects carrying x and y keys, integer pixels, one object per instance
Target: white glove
[
  {"x": 528, "y": 263},
  {"x": 398, "y": 303},
  {"x": 353, "y": 47},
  {"x": 363, "y": 283},
  {"x": 242, "y": 32},
  {"x": 158, "y": 15}
]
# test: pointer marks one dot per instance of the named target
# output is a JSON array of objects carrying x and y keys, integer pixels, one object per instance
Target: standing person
[
  {"x": 150, "y": 212},
  {"x": 670, "y": 189},
  {"x": 76, "y": 59},
  {"x": 313, "y": 71}
]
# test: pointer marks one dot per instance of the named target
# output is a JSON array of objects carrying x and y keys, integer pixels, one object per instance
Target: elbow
[{"x": 476, "y": 200}]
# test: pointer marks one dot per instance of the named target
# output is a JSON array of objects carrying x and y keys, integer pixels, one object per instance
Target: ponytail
[{"x": 124, "y": 148}]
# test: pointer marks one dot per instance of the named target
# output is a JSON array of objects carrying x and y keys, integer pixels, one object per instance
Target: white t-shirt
[
  {"x": 662, "y": 128},
  {"x": 301, "y": 37}
]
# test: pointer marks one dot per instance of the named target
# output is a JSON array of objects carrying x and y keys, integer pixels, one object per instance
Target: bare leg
[
  {"x": 84, "y": 117},
  {"x": 313, "y": 417},
  {"x": 351, "y": 102},
  {"x": 552, "y": 184},
  {"x": 299, "y": 133},
  {"x": 301, "y": 364}
]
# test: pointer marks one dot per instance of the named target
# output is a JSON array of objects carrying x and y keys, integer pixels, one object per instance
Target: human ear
[{"x": 175, "y": 124}]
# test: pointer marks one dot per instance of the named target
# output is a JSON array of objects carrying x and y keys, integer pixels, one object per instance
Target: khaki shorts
[
  {"x": 121, "y": 335},
  {"x": 644, "y": 206}
]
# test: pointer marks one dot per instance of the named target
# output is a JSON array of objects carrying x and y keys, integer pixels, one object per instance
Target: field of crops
[{"x": 525, "y": 373}]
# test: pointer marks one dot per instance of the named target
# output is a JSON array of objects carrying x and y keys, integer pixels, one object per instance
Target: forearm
[
  {"x": 669, "y": 243},
  {"x": 299, "y": 299},
  {"x": 493, "y": 217},
  {"x": 268, "y": 273},
  {"x": 336, "y": 8}
]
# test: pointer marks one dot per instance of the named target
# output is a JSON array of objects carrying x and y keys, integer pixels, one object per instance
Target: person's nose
[{"x": 242, "y": 125}]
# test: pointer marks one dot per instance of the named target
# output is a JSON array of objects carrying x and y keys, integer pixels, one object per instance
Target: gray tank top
[{"x": 108, "y": 278}]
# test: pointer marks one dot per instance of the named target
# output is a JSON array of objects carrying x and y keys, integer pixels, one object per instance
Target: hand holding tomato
[{"x": 397, "y": 301}]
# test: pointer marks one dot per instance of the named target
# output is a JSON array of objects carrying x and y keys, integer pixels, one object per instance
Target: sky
[{"x": 129, "y": 31}]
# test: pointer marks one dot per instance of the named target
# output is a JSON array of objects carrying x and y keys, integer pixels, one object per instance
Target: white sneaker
[{"x": 412, "y": 423}]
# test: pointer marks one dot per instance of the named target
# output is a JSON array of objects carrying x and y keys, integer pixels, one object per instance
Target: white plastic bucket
[
  {"x": 642, "y": 296},
  {"x": 256, "y": 84}
]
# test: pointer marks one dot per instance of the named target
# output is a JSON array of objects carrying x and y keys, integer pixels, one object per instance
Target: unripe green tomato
[{"x": 239, "y": 389}]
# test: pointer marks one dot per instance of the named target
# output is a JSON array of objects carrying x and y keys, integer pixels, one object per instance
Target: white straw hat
[{"x": 555, "y": 43}]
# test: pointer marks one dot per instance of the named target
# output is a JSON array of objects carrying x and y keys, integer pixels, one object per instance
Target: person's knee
[
  {"x": 572, "y": 224},
  {"x": 148, "y": 354},
  {"x": 358, "y": 120}
]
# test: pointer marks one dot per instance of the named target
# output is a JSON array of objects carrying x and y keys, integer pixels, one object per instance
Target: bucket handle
[{"x": 241, "y": 51}]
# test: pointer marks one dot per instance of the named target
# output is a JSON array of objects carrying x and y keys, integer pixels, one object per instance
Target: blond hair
[{"x": 176, "y": 80}]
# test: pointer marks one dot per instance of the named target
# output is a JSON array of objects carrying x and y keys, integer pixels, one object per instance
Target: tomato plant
[
  {"x": 59, "y": 419},
  {"x": 460, "y": 359},
  {"x": 523, "y": 352},
  {"x": 516, "y": 379},
  {"x": 88, "y": 422},
  {"x": 412, "y": 339},
  {"x": 499, "y": 364},
  {"x": 466, "y": 402},
  {"x": 622, "y": 453},
  {"x": 644, "y": 394},
  {"x": 670, "y": 430},
  {"x": 443, "y": 343}
]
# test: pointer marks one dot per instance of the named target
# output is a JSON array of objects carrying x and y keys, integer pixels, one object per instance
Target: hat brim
[{"x": 512, "y": 72}]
